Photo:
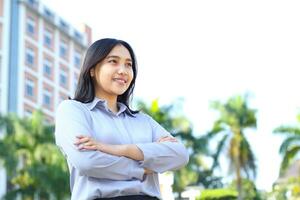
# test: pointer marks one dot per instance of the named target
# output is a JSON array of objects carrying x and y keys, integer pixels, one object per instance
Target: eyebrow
[{"x": 127, "y": 59}]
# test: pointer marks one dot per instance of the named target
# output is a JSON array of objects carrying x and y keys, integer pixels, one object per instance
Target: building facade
[
  {"x": 44, "y": 58},
  {"x": 40, "y": 59}
]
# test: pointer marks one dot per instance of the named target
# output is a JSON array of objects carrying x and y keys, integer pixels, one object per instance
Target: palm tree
[
  {"x": 234, "y": 117},
  {"x": 290, "y": 146},
  {"x": 34, "y": 165}
]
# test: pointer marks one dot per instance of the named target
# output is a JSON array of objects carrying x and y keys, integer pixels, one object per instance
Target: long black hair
[{"x": 85, "y": 91}]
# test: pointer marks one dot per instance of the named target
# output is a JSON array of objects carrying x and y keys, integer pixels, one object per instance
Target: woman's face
[{"x": 113, "y": 75}]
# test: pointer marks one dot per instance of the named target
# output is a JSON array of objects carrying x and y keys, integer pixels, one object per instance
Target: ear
[{"x": 92, "y": 72}]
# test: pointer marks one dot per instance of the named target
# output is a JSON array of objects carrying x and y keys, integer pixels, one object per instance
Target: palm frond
[
  {"x": 293, "y": 140},
  {"x": 247, "y": 158},
  {"x": 220, "y": 148},
  {"x": 288, "y": 158},
  {"x": 287, "y": 130}
]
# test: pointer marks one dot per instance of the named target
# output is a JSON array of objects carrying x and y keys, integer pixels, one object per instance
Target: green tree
[
  {"x": 250, "y": 191},
  {"x": 290, "y": 146},
  {"x": 34, "y": 165},
  {"x": 235, "y": 117}
]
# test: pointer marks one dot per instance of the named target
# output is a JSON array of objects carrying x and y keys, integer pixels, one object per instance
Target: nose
[{"x": 122, "y": 69}]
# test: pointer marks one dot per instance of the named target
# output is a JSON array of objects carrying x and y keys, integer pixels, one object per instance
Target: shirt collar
[
  {"x": 102, "y": 103},
  {"x": 91, "y": 105}
]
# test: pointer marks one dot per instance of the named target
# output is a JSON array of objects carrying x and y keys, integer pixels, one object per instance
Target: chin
[{"x": 120, "y": 92}]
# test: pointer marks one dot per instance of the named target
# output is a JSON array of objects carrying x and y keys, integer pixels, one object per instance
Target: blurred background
[{"x": 221, "y": 76}]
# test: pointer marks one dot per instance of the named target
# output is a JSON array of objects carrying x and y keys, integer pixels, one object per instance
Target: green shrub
[{"x": 218, "y": 194}]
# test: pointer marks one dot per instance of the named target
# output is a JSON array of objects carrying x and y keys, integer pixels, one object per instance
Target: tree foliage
[{"x": 34, "y": 165}]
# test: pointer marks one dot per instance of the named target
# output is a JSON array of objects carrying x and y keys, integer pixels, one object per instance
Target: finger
[
  {"x": 89, "y": 143},
  {"x": 148, "y": 171},
  {"x": 166, "y": 138},
  {"x": 161, "y": 138},
  {"x": 80, "y": 136},
  {"x": 82, "y": 140},
  {"x": 169, "y": 140},
  {"x": 172, "y": 138},
  {"x": 93, "y": 147}
]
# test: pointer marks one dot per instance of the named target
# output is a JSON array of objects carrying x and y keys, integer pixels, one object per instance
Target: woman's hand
[
  {"x": 167, "y": 139},
  {"x": 87, "y": 143},
  {"x": 148, "y": 171}
]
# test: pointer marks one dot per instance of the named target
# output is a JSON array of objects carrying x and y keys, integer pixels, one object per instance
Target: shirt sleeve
[
  {"x": 71, "y": 121},
  {"x": 164, "y": 156}
]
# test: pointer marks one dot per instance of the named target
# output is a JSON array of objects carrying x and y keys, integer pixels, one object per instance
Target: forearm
[
  {"x": 126, "y": 150},
  {"x": 134, "y": 152},
  {"x": 101, "y": 165},
  {"x": 165, "y": 156}
]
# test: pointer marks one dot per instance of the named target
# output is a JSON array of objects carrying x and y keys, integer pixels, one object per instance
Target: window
[
  {"x": 49, "y": 14},
  {"x": 48, "y": 37},
  {"x": 29, "y": 87},
  {"x": 77, "y": 59},
  {"x": 29, "y": 57},
  {"x": 63, "y": 25},
  {"x": 31, "y": 1},
  {"x": 78, "y": 36},
  {"x": 47, "y": 67},
  {"x": 63, "y": 78},
  {"x": 30, "y": 25},
  {"x": 63, "y": 49},
  {"x": 47, "y": 98}
]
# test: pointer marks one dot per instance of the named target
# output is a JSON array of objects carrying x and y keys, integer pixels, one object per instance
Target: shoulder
[
  {"x": 70, "y": 107},
  {"x": 70, "y": 104},
  {"x": 148, "y": 119},
  {"x": 144, "y": 117},
  {"x": 141, "y": 115}
]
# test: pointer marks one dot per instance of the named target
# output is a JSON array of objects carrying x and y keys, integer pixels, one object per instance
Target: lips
[{"x": 120, "y": 80}]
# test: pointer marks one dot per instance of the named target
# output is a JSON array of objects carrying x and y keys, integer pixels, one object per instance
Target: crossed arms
[{"x": 117, "y": 162}]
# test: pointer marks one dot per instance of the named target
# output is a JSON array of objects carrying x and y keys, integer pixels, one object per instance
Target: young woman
[{"x": 112, "y": 151}]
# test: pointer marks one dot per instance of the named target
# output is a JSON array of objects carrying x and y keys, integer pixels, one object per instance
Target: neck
[
  {"x": 111, "y": 102},
  {"x": 112, "y": 105}
]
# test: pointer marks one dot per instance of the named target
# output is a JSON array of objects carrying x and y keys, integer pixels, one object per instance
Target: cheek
[
  {"x": 102, "y": 79},
  {"x": 131, "y": 75}
]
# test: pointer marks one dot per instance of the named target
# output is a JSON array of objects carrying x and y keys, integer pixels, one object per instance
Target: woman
[{"x": 112, "y": 151}]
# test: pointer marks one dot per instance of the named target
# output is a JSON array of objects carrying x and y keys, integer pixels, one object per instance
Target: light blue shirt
[{"x": 94, "y": 174}]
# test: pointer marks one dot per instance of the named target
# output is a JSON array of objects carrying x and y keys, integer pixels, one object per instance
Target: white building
[{"x": 40, "y": 57}]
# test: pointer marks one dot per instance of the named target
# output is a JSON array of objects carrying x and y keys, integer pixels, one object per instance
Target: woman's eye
[
  {"x": 112, "y": 61},
  {"x": 129, "y": 65}
]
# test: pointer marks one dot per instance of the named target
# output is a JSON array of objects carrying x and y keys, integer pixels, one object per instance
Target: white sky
[{"x": 208, "y": 50}]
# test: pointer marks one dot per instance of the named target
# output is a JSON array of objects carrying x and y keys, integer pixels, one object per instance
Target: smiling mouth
[{"x": 119, "y": 80}]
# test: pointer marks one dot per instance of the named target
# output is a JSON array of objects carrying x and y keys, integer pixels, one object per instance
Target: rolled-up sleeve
[
  {"x": 163, "y": 156},
  {"x": 72, "y": 120}
]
